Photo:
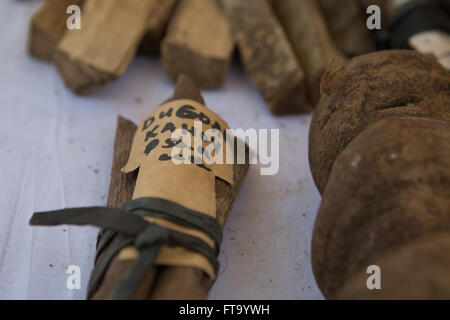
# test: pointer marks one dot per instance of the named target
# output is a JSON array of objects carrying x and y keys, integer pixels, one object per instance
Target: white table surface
[{"x": 56, "y": 151}]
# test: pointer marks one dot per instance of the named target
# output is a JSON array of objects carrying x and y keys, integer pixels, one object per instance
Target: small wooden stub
[
  {"x": 101, "y": 51},
  {"x": 309, "y": 36},
  {"x": 267, "y": 55},
  {"x": 198, "y": 43}
]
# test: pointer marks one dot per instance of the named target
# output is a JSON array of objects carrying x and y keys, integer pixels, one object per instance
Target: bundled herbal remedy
[{"x": 171, "y": 191}]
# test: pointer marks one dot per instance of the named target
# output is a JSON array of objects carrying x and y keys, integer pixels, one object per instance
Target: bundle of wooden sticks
[{"x": 284, "y": 45}]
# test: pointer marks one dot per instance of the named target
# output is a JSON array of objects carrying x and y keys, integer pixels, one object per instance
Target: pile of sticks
[{"x": 284, "y": 45}]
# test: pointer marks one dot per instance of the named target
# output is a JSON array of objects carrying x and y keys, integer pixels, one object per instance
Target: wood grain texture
[
  {"x": 308, "y": 34},
  {"x": 267, "y": 55},
  {"x": 48, "y": 26},
  {"x": 121, "y": 186},
  {"x": 121, "y": 189},
  {"x": 198, "y": 43},
  {"x": 163, "y": 282},
  {"x": 101, "y": 51},
  {"x": 157, "y": 26}
]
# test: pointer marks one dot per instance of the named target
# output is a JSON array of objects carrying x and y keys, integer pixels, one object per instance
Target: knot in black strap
[
  {"x": 152, "y": 235},
  {"x": 125, "y": 226}
]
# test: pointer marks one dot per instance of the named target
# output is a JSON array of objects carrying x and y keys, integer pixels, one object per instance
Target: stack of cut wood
[
  {"x": 284, "y": 45},
  {"x": 110, "y": 35}
]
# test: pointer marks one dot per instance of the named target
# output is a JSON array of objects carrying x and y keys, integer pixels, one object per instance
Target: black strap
[
  {"x": 162, "y": 208},
  {"x": 124, "y": 226},
  {"x": 108, "y": 218}
]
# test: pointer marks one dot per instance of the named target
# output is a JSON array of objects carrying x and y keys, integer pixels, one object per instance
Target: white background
[{"x": 56, "y": 151}]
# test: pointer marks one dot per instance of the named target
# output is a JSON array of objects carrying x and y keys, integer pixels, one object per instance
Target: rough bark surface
[{"x": 267, "y": 55}]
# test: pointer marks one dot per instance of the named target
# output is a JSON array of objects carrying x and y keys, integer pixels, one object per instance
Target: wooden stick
[
  {"x": 267, "y": 55},
  {"x": 198, "y": 43},
  {"x": 157, "y": 26},
  {"x": 309, "y": 36},
  {"x": 101, "y": 51},
  {"x": 347, "y": 25},
  {"x": 48, "y": 26},
  {"x": 163, "y": 282}
]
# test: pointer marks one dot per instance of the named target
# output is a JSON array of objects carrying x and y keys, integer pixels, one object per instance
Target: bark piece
[
  {"x": 101, "y": 51},
  {"x": 369, "y": 88},
  {"x": 198, "y": 43},
  {"x": 163, "y": 282},
  {"x": 267, "y": 55},
  {"x": 389, "y": 187},
  {"x": 157, "y": 26},
  {"x": 48, "y": 26},
  {"x": 310, "y": 40}
]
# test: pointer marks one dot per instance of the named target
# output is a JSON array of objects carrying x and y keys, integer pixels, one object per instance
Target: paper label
[{"x": 168, "y": 168}]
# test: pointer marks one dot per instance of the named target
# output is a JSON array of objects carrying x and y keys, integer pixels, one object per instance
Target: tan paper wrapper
[{"x": 189, "y": 185}]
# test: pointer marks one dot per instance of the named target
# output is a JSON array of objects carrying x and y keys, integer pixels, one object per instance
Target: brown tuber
[
  {"x": 380, "y": 154},
  {"x": 369, "y": 88}
]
